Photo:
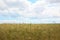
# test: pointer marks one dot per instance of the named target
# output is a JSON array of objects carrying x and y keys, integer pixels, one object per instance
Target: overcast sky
[{"x": 29, "y": 11}]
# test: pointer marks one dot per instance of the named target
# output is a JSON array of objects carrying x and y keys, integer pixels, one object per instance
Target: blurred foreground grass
[{"x": 29, "y": 31}]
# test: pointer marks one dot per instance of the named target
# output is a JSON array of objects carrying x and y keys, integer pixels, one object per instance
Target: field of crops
[{"x": 29, "y": 31}]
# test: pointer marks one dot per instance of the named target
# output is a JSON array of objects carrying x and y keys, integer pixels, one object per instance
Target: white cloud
[
  {"x": 53, "y": 1},
  {"x": 2, "y": 5},
  {"x": 52, "y": 11},
  {"x": 24, "y": 11},
  {"x": 8, "y": 21},
  {"x": 44, "y": 10}
]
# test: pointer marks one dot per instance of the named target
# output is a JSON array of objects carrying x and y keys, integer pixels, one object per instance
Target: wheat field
[{"x": 29, "y": 31}]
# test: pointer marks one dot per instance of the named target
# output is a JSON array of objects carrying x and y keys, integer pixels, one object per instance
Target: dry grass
[{"x": 29, "y": 31}]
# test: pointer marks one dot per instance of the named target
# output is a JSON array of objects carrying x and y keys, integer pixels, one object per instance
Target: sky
[{"x": 30, "y": 11}]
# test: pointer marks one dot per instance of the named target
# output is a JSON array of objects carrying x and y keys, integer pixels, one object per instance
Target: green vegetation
[{"x": 29, "y": 31}]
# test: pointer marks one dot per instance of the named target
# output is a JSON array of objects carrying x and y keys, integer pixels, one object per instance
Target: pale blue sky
[
  {"x": 22, "y": 11},
  {"x": 32, "y": 1}
]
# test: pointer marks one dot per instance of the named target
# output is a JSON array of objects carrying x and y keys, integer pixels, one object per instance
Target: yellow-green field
[{"x": 29, "y": 31}]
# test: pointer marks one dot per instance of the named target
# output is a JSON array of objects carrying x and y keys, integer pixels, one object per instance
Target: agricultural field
[{"x": 29, "y": 31}]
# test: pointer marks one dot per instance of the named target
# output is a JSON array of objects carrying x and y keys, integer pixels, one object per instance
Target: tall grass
[{"x": 29, "y": 31}]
